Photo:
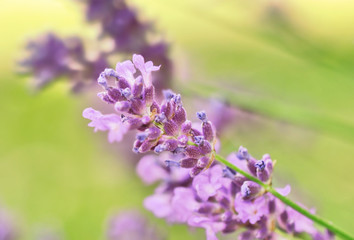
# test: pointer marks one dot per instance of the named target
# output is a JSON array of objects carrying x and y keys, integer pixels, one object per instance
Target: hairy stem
[{"x": 334, "y": 229}]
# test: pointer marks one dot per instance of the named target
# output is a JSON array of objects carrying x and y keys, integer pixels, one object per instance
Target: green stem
[{"x": 287, "y": 201}]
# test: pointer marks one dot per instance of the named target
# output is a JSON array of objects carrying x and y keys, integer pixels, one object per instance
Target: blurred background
[{"x": 287, "y": 67}]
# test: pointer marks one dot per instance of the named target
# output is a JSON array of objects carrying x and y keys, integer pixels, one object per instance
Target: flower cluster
[
  {"x": 194, "y": 189},
  {"x": 51, "y": 57},
  {"x": 131, "y": 226},
  {"x": 162, "y": 126},
  {"x": 221, "y": 200}
]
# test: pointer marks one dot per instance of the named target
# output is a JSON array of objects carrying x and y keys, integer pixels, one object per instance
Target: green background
[{"x": 290, "y": 74}]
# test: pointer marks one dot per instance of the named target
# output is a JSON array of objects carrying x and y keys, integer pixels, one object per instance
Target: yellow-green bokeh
[{"x": 295, "y": 73}]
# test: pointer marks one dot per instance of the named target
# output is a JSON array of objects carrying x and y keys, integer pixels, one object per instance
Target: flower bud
[
  {"x": 208, "y": 131},
  {"x": 147, "y": 146},
  {"x": 168, "y": 94},
  {"x": 202, "y": 116},
  {"x": 262, "y": 175},
  {"x": 193, "y": 151},
  {"x": 134, "y": 123},
  {"x": 195, "y": 132},
  {"x": 260, "y": 165},
  {"x": 186, "y": 127},
  {"x": 153, "y": 132},
  {"x": 167, "y": 110},
  {"x": 159, "y": 148},
  {"x": 141, "y": 136},
  {"x": 251, "y": 166},
  {"x": 239, "y": 180},
  {"x": 199, "y": 140},
  {"x": 136, "y": 146},
  {"x": 250, "y": 190},
  {"x": 188, "y": 162},
  {"x": 203, "y": 162},
  {"x": 261, "y": 170},
  {"x": 242, "y": 153},
  {"x": 180, "y": 116},
  {"x": 171, "y": 128},
  {"x": 205, "y": 148},
  {"x": 170, "y": 144},
  {"x": 195, "y": 171}
]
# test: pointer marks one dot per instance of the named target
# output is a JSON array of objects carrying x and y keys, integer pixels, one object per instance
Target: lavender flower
[
  {"x": 110, "y": 122},
  {"x": 193, "y": 189},
  {"x": 48, "y": 59},
  {"x": 131, "y": 226},
  {"x": 51, "y": 57}
]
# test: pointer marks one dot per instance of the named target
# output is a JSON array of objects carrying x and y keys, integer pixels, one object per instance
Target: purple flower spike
[{"x": 194, "y": 189}]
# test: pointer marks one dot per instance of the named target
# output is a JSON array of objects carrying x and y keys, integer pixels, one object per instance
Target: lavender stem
[{"x": 330, "y": 226}]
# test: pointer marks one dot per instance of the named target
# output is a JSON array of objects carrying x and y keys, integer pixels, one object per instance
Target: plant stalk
[{"x": 334, "y": 229}]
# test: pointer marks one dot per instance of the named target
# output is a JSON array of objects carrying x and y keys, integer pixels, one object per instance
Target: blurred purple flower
[
  {"x": 48, "y": 59},
  {"x": 131, "y": 226},
  {"x": 51, "y": 57}
]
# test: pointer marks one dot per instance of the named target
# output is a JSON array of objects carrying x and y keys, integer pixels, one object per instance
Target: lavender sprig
[
  {"x": 51, "y": 57},
  {"x": 218, "y": 196}
]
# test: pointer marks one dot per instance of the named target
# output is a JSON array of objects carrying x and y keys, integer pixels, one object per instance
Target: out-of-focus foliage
[{"x": 289, "y": 64}]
